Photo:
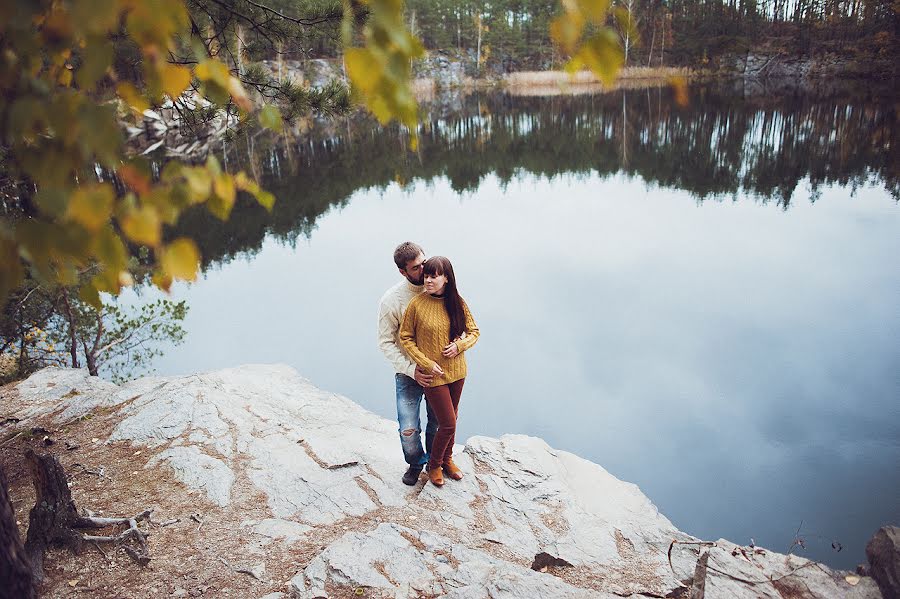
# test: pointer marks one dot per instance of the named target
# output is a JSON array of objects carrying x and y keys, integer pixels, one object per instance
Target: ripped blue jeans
[{"x": 409, "y": 398}]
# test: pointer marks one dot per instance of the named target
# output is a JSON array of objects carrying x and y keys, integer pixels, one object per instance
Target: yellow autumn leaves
[
  {"x": 63, "y": 98},
  {"x": 380, "y": 69},
  {"x": 61, "y": 92},
  {"x": 582, "y": 33}
]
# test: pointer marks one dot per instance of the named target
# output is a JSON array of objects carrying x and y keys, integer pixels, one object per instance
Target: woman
[{"x": 436, "y": 329}]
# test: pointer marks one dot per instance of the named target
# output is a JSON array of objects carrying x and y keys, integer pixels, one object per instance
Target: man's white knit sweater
[{"x": 390, "y": 314}]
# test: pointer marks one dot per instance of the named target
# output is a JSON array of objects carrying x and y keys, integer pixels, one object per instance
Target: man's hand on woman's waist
[{"x": 423, "y": 377}]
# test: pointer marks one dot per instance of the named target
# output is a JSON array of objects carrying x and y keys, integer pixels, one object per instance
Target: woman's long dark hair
[{"x": 439, "y": 265}]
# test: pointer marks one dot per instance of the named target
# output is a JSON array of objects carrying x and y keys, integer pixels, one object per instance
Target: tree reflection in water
[{"x": 724, "y": 145}]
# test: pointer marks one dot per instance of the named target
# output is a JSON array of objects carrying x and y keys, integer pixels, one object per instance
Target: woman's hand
[
  {"x": 451, "y": 350},
  {"x": 436, "y": 369}
]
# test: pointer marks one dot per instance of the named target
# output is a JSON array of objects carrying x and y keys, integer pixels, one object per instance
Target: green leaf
[
  {"x": 199, "y": 182},
  {"x": 270, "y": 118},
  {"x": 100, "y": 134},
  {"x": 132, "y": 97},
  {"x": 109, "y": 250},
  {"x": 363, "y": 69},
  {"x": 51, "y": 201},
  {"x": 222, "y": 200},
  {"x": 96, "y": 16},
  {"x": 181, "y": 259},
  {"x": 265, "y": 199},
  {"x": 167, "y": 201},
  {"x": 223, "y": 186},
  {"x": 594, "y": 10},
  {"x": 174, "y": 79},
  {"x": 67, "y": 274},
  {"x": 215, "y": 93},
  {"x": 90, "y": 295},
  {"x": 218, "y": 207},
  {"x": 171, "y": 171},
  {"x": 565, "y": 31},
  {"x": 142, "y": 225},
  {"x": 603, "y": 54},
  {"x": 11, "y": 271},
  {"x": 96, "y": 58},
  {"x": 213, "y": 166},
  {"x": 91, "y": 205},
  {"x": 113, "y": 259},
  {"x": 214, "y": 71},
  {"x": 153, "y": 23}
]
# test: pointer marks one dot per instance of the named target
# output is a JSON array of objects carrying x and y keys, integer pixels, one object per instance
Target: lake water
[{"x": 704, "y": 300}]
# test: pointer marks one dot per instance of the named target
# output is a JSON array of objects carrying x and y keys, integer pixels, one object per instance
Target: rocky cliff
[{"x": 264, "y": 485}]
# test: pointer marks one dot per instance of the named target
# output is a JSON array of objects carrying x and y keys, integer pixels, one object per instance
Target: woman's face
[{"x": 434, "y": 284}]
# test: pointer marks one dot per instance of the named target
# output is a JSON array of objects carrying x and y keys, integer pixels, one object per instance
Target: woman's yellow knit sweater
[{"x": 425, "y": 331}]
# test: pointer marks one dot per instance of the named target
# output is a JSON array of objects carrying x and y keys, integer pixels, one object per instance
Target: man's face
[{"x": 413, "y": 271}]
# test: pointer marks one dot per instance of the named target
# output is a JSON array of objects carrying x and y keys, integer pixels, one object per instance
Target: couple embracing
[{"x": 424, "y": 329}]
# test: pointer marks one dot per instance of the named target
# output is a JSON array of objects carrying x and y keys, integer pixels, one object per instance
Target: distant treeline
[
  {"x": 515, "y": 33},
  {"x": 511, "y": 35}
]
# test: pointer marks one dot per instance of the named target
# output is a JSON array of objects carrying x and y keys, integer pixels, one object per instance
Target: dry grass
[
  {"x": 657, "y": 73},
  {"x": 561, "y": 78},
  {"x": 553, "y": 83}
]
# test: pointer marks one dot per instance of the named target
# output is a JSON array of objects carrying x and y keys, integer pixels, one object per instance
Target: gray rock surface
[
  {"x": 275, "y": 529},
  {"x": 883, "y": 552},
  {"x": 199, "y": 471},
  {"x": 326, "y": 469},
  {"x": 729, "y": 571}
]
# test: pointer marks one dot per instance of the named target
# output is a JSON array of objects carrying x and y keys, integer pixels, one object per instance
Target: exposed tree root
[{"x": 55, "y": 521}]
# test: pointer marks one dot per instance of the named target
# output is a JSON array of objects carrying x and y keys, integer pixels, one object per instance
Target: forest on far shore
[{"x": 514, "y": 35}]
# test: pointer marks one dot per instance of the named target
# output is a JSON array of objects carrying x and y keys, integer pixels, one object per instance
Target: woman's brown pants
[{"x": 444, "y": 402}]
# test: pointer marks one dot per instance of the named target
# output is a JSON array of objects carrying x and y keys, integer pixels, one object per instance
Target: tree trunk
[
  {"x": 21, "y": 353},
  {"x": 478, "y": 51},
  {"x": 53, "y": 516},
  {"x": 662, "y": 42},
  {"x": 239, "y": 43},
  {"x": 629, "y": 6},
  {"x": 73, "y": 343},
  {"x": 90, "y": 358},
  {"x": 16, "y": 579},
  {"x": 624, "y": 131},
  {"x": 91, "y": 355}
]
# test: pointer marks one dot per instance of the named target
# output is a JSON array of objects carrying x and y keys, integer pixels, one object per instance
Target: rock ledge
[{"x": 526, "y": 521}]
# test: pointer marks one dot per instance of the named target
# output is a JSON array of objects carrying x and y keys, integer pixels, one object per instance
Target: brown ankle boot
[
  {"x": 452, "y": 470},
  {"x": 437, "y": 479}
]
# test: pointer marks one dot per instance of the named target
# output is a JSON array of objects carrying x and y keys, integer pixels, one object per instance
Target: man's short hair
[{"x": 405, "y": 252}]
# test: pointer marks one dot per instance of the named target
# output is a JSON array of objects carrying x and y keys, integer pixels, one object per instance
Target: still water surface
[{"x": 703, "y": 300}]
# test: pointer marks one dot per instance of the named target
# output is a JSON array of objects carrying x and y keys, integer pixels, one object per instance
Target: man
[{"x": 409, "y": 378}]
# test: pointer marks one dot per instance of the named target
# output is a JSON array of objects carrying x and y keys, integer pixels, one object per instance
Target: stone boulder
[{"x": 883, "y": 553}]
